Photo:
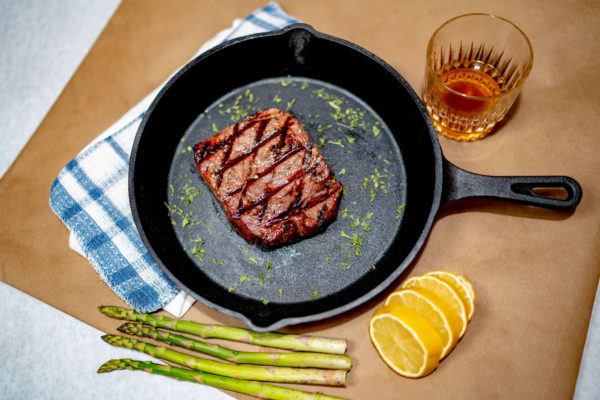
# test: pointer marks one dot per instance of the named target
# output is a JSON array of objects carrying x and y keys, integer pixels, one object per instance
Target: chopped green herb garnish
[
  {"x": 268, "y": 265},
  {"x": 350, "y": 139},
  {"x": 369, "y": 215},
  {"x": 214, "y": 127},
  {"x": 280, "y": 291},
  {"x": 376, "y": 131},
  {"x": 245, "y": 249},
  {"x": 191, "y": 192},
  {"x": 364, "y": 184},
  {"x": 314, "y": 294},
  {"x": 198, "y": 249},
  {"x": 342, "y": 172},
  {"x": 265, "y": 302},
  {"x": 321, "y": 142},
  {"x": 345, "y": 212},
  {"x": 277, "y": 99},
  {"x": 338, "y": 142},
  {"x": 253, "y": 260},
  {"x": 366, "y": 227},
  {"x": 399, "y": 211},
  {"x": 243, "y": 278},
  {"x": 373, "y": 193},
  {"x": 321, "y": 128}
]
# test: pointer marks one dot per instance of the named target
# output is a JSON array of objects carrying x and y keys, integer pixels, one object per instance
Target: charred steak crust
[{"x": 273, "y": 184}]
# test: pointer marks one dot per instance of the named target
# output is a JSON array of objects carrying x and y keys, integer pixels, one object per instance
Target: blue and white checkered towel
[{"x": 90, "y": 195}]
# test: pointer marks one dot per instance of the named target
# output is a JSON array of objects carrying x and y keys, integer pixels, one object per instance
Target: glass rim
[{"x": 516, "y": 86}]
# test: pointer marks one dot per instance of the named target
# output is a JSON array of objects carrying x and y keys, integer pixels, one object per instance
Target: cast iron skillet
[{"x": 375, "y": 135}]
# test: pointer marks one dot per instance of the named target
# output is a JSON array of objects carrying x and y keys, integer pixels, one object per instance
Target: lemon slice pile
[{"x": 422, "y": 321}]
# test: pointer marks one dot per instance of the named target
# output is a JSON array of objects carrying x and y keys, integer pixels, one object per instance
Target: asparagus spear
[
  {"x": 269, "y": 339},
  {"x": 253, "y": 388},
  {"x": 314, "y": 360},
  {"x": 332, "y": 377}
]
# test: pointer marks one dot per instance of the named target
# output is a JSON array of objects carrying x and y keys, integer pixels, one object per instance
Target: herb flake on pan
[
  {"x": 198, "y": 248},
  {"x": 376, "y": 131},
  {"x": 399, "y": 211},
  {"x": 290, "y": 104},
  {"x": 314, "y": 294},
  {"x": 336, "y": 142},
  {"x": 366, "y": 227},
  {"x": 321, "y": 142}
]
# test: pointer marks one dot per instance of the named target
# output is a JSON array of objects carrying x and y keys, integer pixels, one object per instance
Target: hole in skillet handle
[
  {"x": 551, "y": 192},
  {"x": 560, "y": 193}
]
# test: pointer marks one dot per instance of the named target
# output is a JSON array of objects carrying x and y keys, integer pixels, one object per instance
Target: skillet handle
[{"x": 461, "y": 184}]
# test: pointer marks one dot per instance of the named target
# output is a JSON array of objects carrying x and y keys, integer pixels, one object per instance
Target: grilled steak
[{"x": 273, "y": 184}]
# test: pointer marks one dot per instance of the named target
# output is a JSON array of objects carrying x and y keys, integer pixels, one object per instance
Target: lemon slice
[
  {"x": 467, "y": 285},
  {"x": 462, "y": 287},
  {"x": 443, "y": 292},
  {"x": 405, "y": 340},
  {"x": 437, "y": 313}
]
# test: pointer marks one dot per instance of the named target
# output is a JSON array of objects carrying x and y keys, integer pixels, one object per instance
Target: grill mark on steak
[
  {"x": 267, "y": 170},
  {"x": 267, "y": 195},
  {"x": 296, "y": 209},
  {"x": 207, "y": 150},
  {"x": 225, "y": 166},
  {"x": 287, "y": 196},
  {"x": 257, "y": 137}
]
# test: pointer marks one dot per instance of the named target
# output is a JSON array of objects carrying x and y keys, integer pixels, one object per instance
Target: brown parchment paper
[{"x": 535, "y": 271}]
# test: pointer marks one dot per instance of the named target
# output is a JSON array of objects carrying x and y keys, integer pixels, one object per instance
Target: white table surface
[{"x": 45, "y": 353}]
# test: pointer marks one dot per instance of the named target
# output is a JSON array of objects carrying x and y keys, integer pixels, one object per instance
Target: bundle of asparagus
[{"x": 314, "y": 360}]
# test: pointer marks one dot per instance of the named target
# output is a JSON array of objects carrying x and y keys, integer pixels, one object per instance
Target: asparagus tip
[
  {"x": 111, "y": 365},
  {"x": 130, "y": 328},
  {"x": 115, "y": 340}
]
